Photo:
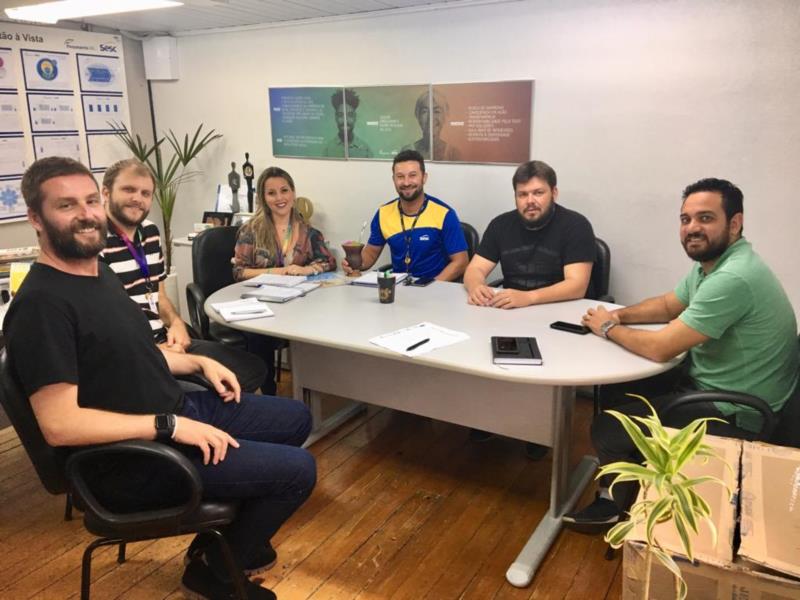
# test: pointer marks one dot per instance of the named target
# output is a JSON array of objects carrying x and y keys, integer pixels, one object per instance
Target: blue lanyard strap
[{"x": 138, "y": 253}]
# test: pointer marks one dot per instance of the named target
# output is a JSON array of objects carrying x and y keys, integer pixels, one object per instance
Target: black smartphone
[
  {"x": 507, "y": 345},
  {"x": 422, "y": 281},
  {"x": 571, "y": 327}
]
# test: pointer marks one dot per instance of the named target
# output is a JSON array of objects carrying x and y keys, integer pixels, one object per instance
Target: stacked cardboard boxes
[{"x": 756, "y": 555}]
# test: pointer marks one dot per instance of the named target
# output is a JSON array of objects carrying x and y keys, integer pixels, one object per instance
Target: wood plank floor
[{"x": 405, "y": 507}]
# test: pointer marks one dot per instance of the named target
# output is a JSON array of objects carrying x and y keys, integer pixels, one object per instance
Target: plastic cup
[{"x": 386, "y": 287}]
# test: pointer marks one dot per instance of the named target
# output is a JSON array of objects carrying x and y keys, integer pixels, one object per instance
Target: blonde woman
[{"x": 277, "y": 239}]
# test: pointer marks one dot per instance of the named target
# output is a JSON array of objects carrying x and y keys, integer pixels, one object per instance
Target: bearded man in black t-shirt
[
  {"x": 86, "y": 358},
  {"x": 546, "y": 251}
]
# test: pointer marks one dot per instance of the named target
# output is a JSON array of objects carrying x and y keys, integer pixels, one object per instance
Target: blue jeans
[{"x": 269, "y": 472}]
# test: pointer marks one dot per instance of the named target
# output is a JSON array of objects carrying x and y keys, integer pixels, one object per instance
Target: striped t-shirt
[{"x": 119, "y": 258}]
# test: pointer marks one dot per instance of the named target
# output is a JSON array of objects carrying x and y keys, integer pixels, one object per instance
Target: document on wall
[
  {"x": 10, "y": 122},
  {"x": 51, "y": 112},
  {"x": 57, "y": 145},
  {"x": 418, "y": 339}
]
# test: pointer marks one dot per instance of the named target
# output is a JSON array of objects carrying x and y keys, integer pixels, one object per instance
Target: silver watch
[{"x": 607, "y": 326}]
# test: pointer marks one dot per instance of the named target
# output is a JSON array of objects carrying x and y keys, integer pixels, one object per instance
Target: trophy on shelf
[
  {"x": 234, "y": 181},
  {"x": 247, "y": 169}
]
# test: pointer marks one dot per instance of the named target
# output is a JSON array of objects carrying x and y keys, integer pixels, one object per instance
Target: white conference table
[{"x": 329, "y": 331}]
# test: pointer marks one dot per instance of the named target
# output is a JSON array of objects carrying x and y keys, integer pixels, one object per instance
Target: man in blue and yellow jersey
[{"x": 423, "y": 233}]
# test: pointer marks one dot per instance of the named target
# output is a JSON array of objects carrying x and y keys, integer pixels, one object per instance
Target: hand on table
[
  {"x": 481, "y": 295},
  {"x": 510, "y": 299},
  {"x": 595, "y": 317}
]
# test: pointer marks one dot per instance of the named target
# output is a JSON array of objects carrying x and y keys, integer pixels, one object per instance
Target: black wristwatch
[{"x": 165, "y": 427}]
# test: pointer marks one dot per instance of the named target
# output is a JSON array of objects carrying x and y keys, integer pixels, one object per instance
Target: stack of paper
[
  {"x": 277, "y": 280},
  {"x": 241, "y": 310},
  {"x": 371, "y": 279},
  {"x": 274, "y": 293},
  {"x": 418, "y": 339}
]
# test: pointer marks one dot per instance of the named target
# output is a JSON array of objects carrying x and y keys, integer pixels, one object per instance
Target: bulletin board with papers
[{"x": 62, "y": 93}]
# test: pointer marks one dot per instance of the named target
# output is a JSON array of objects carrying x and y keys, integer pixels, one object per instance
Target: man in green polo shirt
[{"x": 729, "y": 314}]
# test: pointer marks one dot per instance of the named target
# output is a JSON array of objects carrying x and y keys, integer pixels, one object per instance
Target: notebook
[
  {"x": 371, "y": 279},
  {"x": 274, "y": 293},
  {"x": 515, "y": 351}
]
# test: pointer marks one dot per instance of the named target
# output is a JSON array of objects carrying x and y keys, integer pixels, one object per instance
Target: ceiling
[{"x": 199, "y": 15}]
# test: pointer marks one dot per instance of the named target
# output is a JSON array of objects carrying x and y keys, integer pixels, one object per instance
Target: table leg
[{"x": 565, "y": 489}]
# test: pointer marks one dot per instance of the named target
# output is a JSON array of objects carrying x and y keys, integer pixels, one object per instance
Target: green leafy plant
[
  {"x": 169, "y": 174},
  {"x": 665, "y": 455}
]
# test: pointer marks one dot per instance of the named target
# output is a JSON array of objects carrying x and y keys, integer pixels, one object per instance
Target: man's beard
[
  {"x": 117, "y": 211},
  {"x": 539, "y": 223},
  {"x": 66, "y": 245},
  {"x": 415, "y": 194},
  {"x": 712, "y": 251}
]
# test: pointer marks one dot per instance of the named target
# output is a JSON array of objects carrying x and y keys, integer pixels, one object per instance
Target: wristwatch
[
  {"x": 165, "y": 427},
  {"x": 607, "y": 326}
]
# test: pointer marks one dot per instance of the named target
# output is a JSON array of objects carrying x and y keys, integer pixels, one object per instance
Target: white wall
[{"x": 633, "y": 100}]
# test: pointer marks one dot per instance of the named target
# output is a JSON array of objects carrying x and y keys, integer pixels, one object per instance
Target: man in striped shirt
[{"x": 133, "y": 252}]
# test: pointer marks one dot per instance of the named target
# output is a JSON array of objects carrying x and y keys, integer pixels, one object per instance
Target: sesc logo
[{"x": 108, "y": 48}]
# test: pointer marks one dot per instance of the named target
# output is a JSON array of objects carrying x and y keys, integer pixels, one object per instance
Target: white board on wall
[{"x": 58, "y": 90}]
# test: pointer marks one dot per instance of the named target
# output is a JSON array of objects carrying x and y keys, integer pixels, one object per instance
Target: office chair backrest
[
  {"x": 212, "y": 251},
  {"x": 472, "y": 237},
  {"x": 601, "y": 272},
  {"x": 48, "y": 461}
]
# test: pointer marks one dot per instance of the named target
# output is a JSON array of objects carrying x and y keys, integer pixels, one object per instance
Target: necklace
[{"x": 287, "y": 240}]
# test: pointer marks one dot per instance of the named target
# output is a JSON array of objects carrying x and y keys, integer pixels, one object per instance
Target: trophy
[
  {"x": 234, "y": 181},
  {"x": 247, "y": 169}
]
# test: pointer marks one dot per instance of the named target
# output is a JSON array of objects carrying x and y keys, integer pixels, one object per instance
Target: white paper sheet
[
  {"x": 242, "y": 310},
  {"x": 401, "y": 340}
]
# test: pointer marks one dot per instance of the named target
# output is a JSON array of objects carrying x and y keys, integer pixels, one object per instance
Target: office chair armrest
[
  {"x": 606, "y": 298},
  {"x": 182, "y": 466},
  {"x": 770, "y": 418},
  {"x": 195, "y": 298}
]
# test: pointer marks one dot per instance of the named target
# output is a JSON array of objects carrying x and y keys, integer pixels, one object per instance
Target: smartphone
[
  {"x": 507, "y": 345},
  {"x": 422, "y": 281},
  {"x": 571, "y": 327}
]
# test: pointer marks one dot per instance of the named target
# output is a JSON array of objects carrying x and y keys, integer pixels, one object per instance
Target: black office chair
[
  {"x": 212, "y": 251},
  {"x": 601, "y": 273},
  {"x": 61, "y": 471},
  {"x": 472, "y": 237}
]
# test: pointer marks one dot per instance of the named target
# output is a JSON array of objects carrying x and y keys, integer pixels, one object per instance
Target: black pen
[{"x": 418, "y": 344}]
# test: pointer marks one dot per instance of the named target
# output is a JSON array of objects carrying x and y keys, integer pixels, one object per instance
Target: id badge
[{"x": 151, "y": 300}]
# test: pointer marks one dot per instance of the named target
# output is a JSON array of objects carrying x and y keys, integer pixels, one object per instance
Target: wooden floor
[{"x": 405, "y": 507}]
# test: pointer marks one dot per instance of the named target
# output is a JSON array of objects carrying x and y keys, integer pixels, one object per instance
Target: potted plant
[
  {"x": 169, "y": 174},
  {"x": 667, "y": 494}
]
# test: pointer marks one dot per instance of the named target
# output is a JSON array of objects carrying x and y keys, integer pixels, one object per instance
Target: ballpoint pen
[
  {"x": 418, "y": 344},
  {"x": 251, "y": 311}
]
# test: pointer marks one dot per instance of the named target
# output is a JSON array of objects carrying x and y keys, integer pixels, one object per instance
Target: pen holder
[
  {"x": 386, "y": 287},
  {"x": 352, "y": 253}
]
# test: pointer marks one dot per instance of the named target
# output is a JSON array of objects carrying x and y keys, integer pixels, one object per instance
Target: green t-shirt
[{"x": 742, "y": 307}]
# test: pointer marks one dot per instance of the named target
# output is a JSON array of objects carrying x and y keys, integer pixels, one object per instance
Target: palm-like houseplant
[
  {"x": 676, "y": 499},
  {"x": 169, "y": 174}
]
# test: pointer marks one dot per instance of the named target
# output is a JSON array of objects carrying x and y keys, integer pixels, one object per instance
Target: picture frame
[{"x": 217, "y": 219}]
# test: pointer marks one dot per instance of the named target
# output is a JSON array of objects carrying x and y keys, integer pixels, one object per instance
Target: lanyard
[
  {"x": 408, "y": 234},
  {"x": 138, "y": 255},
  {"x": 284, "y": 247}
]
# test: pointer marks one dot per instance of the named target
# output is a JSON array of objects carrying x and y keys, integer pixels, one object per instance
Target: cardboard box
[
  {"x": 766, "y": 566},
  {"x": 770, "y": 507}
]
